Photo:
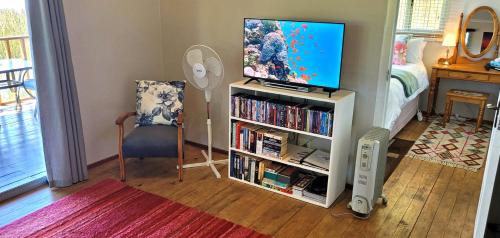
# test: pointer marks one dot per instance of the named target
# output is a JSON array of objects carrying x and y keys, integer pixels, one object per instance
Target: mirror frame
[{"x": 494, "y": 38}]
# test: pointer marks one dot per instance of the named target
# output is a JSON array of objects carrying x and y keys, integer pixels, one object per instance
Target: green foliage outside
[{"x": 13, "y": 23}]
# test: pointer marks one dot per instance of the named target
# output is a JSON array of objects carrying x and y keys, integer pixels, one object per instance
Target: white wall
[
  {"x": 434, "y": 51},
  {"x": 113, "y": 43},
  {"x": 219, "y": 24}
]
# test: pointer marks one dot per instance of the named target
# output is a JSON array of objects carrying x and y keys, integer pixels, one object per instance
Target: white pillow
[{"x": 415, "y": 50}]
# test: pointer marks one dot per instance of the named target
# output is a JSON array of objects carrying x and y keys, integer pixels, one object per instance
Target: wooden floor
[
  {"x": 21, "y": 154},
  {"x": 425, "y": 199}
]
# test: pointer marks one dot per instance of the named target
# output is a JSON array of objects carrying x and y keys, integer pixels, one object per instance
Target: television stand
[
  {"x": 329, "y": 91},
  {"x": 286, "y": 86},
  {"x": 252, "y": 79},
  {"x": 277, "y": 84}
]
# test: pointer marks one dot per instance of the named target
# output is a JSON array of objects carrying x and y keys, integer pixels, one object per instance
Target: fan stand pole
[{"x": 210, "y": 162}]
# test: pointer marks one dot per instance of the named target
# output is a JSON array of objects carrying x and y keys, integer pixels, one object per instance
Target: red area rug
[{"x": 113, "y": 209}]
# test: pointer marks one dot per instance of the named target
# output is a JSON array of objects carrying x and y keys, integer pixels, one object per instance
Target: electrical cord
[{"x": 352, "y": 214}]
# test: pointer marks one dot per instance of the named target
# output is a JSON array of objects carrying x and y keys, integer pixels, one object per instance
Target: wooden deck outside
[
  {"x": 425, "y": 199},
  {"x": 21, "y": 155}
]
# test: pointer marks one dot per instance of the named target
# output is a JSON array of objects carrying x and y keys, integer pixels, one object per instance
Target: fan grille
[{"x": 206, "y": 53}]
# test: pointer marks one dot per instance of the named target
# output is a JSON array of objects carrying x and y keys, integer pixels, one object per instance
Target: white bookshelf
[{"x": 339, "y": 143}]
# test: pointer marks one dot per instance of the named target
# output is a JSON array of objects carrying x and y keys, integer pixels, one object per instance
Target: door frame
[
  {"x": 489, "y": 177},
  {"x": 385, "y": 65}
]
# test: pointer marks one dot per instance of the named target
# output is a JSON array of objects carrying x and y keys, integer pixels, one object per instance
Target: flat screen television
[{"x": 299, "y": 53}]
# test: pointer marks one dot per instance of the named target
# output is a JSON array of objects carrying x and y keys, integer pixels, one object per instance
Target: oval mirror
[{"x": 480, "y": 31}]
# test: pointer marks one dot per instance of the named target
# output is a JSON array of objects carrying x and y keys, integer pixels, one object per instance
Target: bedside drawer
[
  {"x": 470, "y": 76},
  {"x": 495, "y": 78},
  {"x": 442, "y": 73}
]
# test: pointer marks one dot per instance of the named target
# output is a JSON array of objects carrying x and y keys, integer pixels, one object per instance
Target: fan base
[{"x": 209, "y": 163}]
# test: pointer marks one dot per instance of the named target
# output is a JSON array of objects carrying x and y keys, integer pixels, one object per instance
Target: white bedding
[{"x": 396, "y": 98}]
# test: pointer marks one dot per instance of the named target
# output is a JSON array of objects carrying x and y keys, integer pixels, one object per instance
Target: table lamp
[{"x": 449, "y": 40}]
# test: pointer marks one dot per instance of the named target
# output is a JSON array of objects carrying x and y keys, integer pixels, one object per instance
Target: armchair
[{"x": 150, "y": 141}]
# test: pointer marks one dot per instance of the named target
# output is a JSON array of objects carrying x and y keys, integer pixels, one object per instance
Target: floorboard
[
  {"x": 443, "y": 214},
  {"x": 426, "y": 216},
  {"x": 459, "y": 212},
  {"x": 418, "y": 200},
  {"x": 424, "y": 199}
]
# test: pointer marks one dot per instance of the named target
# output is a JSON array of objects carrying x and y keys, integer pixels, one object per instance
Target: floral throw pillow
[
  {"x": 400, "y": 49},
  {"x": 159, "y": 103}
]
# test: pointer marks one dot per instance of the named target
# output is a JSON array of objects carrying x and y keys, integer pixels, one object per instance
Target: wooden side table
[
  {"x": 455, "y": 95},
  {"x": 463, "y": 70}
]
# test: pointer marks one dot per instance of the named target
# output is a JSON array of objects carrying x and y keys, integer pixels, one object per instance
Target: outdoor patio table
[{"x": 10, "y": 67}]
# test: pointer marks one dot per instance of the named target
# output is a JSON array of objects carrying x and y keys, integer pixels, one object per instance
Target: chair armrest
[
  {"x": 180, "y": 120},
  {"x": 180, "y": 144},
  {"x": 121, "y": 119}
]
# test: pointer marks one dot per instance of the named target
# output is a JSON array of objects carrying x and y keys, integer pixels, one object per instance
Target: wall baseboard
[
  {"x": 202, "y": 146},
  {"x": 468, "y": 118},
  {"x": 115, "y": 156},
  {"x": 103, "y": 161}
]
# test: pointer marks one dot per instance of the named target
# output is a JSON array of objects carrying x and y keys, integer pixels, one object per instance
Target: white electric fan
[{"x": 204, "y": 70}]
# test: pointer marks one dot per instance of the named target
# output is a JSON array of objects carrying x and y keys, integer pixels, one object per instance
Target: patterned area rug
[
  {"x": 456, "y": 145},
  {"x": 113, "y": 209}
]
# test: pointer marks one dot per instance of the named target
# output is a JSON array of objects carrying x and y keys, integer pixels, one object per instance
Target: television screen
[{"x": 295, "y": 52}]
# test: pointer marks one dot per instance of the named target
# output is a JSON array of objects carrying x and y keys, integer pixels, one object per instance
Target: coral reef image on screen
[{"x": 291, "y": 51}]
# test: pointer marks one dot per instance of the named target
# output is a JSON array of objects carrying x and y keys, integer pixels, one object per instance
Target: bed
[{"x": 401, "y": 108}]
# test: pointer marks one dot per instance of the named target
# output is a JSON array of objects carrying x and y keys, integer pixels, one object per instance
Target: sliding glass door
[{"x": 22, "y": 164}]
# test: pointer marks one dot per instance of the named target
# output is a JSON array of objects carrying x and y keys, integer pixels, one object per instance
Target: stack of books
[
  {"x": 303, "y": 181},
  {"x": 259, "y": 140},
  {"x": 280, "y": 177},
  {"x": 317, "y": 159},
  {"x": 307, "y": 156},
  {"x": 314, "y": 119}
]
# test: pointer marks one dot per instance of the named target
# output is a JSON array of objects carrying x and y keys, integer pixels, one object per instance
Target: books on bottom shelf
[
  {"x": 301, "y": 184},
  {"x": 317, "y": 189},
  {"x": 283, "y": 178},
  {"x": 311, "y": 187}
]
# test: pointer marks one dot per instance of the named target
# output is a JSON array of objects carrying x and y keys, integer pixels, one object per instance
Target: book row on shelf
[
  {"x": 259, "y": 140},
  {"x": 286, "y": 179},
  {"x": 303, "y": 117},
  {"x": 274, "y": 144}
]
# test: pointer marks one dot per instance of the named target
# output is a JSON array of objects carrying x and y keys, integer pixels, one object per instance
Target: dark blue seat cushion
[{"x": 151, "y": 141}]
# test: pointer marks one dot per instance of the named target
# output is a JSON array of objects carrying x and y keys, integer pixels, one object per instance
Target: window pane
[
  {"x": 403, "y": 9},
  {"x": 426, "y": 15},
  {"x": 422, "y": 16}
]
